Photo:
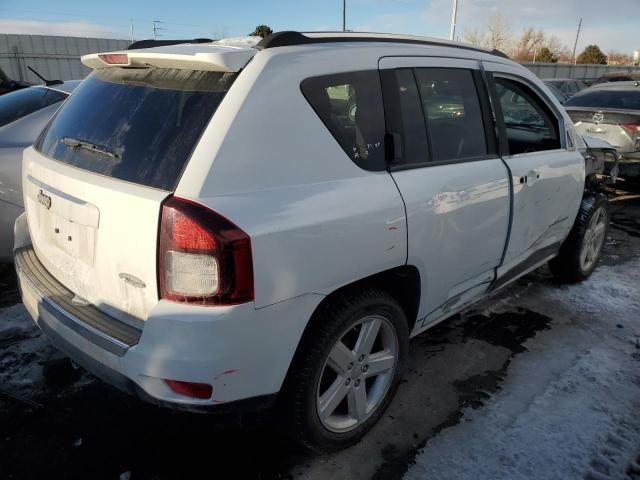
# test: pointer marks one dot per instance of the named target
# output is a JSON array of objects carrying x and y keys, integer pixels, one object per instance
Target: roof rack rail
[
  {"x": 163, "y": 43},
  {"x": 291, "y": 38}
]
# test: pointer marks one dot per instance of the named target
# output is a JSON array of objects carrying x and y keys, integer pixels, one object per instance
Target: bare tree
[
  {"x": 474, "y": 38},
  {"x": 529, "y": 42},
  {"x": 619, "y": 58},
  {"x": 557, "y": 48},
  {"x": 498, "y": 32}
]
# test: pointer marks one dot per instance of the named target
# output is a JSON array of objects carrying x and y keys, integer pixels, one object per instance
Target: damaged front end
[{"x": 602, "y": 164}]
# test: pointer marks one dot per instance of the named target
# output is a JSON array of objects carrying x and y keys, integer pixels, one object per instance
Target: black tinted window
[
  {"x": 18, "y": 104},
  {"x": 530, "y": 125},
  {"x": 452, "y": 111},
  {"x": 137, "y": 125},
  {"x": 608, "y": 98},
  {"x": 350, "y": 106},
  {"x": 404, "y": 117}
]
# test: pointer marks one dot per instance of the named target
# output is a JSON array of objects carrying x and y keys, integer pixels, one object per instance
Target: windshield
[
  {"x": 137, "y": 125},
  {"x": 607, "y": 98}
]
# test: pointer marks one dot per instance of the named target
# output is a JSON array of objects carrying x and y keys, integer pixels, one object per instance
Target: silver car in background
[
  {"x": 611, "y": 112},
  {"x": 23, "y": 115}
]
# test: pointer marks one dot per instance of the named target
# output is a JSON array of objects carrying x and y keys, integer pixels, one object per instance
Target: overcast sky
[{"x": 612, "y": 24}]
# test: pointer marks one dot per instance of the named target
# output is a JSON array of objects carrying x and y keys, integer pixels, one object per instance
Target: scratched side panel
[
  {"x": 457, "y": 216},
  {"x": 316, "y": 238}
]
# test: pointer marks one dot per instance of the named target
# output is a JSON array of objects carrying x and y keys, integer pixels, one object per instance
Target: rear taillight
[
  {"x": 202, "y": 258},
  {"x": 114, "y": 58},
  {"x": 632, "y": 128}
]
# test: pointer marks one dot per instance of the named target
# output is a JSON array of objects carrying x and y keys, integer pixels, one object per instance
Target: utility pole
[
  {"x": 576, "y": 42},
  {"x": 156, "y": 29},
  {"x": 131, "y": 22},
  {"x": 344, "y": 15},
  {"x": 454, "y": 14}
]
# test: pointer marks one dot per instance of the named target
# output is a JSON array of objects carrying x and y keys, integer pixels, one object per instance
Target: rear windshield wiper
[{"x": 75, "y": 143}]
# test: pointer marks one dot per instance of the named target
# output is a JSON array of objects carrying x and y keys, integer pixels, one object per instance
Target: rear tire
[
  {"x": 581, "y": 250},
  {"x": 347, "y": 370}
]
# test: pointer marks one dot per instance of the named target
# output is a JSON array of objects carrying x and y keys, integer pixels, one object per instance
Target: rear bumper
[{"x": 243, "y": 352}]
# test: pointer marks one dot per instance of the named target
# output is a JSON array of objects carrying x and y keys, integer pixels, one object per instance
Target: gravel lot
[{"x": 542, "y": 381}]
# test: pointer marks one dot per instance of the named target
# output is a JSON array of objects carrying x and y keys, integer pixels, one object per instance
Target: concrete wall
[
  {"x": 580, "y": 72},
  {"x": 56, "y": 58}
]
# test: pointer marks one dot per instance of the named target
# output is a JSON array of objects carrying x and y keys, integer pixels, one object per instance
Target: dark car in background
[
  {"x": 568, "y": 86},
  {"x": 560, "y": 96},
  {"x": 8, "y": 85},
  {"x": 617, "y": 77}
]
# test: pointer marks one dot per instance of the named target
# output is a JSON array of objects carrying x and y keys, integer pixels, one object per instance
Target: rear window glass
[
  {"x": 18, "y": 104},
  {"x": 607, "y": 98},
  {"x": 137, "y": 125},
  {"x": 350, "y": 106}
]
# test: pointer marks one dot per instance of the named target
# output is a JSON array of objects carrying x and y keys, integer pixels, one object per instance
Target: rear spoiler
[
  {"x": 207, "y": 57},
  {"x": 163, "y": 43}
]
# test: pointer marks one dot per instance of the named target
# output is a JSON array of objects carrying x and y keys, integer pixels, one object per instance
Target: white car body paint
[
  {"x": 316, "y": 222},
  {"x": 546, "y": 204}
]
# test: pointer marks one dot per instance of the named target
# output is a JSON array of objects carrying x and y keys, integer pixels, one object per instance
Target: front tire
[
  {"x": 347, "y": 369},
  {"x": 581, "y": 250}
]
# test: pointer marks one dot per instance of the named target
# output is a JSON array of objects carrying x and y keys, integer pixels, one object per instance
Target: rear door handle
[{"x": 531, "y": 177}]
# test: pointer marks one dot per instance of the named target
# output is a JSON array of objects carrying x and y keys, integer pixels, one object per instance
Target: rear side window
[
  {"x": 136, "y": 125},
  {"x": 608, "y": 98},
  {"x": 530, "y": 125},
  {"x": 451, "y": 107},
  {"x": 350, "y": 106},
  {"x": 404, "y": 117},
  {"x": 18, "y": 104}
]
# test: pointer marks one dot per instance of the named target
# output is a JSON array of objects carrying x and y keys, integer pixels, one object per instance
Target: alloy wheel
[{"x": 357, "y": 374}]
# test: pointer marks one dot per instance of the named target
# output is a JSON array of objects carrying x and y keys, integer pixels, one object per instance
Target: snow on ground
[
  {"x": 570, "y": 406},
  {"x": 24, "y": 346},
  {"x": 24, "y": 351}
]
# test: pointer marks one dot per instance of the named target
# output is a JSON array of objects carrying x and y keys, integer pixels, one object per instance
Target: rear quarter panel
[{"x": 267, "y": 163}]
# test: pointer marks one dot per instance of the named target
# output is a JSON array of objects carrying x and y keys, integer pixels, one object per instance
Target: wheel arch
[{"x": 402, "y": 283}]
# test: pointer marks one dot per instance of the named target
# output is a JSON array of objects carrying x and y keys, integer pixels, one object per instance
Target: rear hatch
[
  {"x": 610, "y": 114},
  {"x": 620, "y": 128},
  {"x": 95, "y": 180}
]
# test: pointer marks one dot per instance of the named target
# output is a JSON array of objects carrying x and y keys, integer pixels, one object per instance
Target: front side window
[
  {"x": 530, "y": 125},
  {"x": 18, "y": 104},
  {"x": 451, "y": 108},
  {"x": 350, "y": 106}
]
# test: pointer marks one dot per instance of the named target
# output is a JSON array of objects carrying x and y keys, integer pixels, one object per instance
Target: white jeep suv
[{"x": 210, "y": 226}]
